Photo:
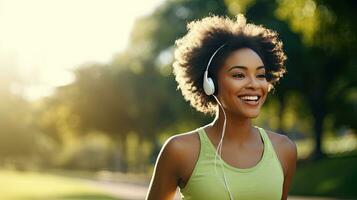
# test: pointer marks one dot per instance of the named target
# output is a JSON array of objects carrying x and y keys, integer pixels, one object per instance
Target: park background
[{"x": 73, "y": 125}]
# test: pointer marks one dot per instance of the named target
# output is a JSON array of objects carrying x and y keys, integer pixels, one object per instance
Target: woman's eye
[
  {"x": 262, "y": 76},
  {"x": 238, "y": 75}
]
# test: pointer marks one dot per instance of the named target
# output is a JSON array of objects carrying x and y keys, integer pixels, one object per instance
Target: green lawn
[
  {"x": 15, "y": 185},
  {"x": 334, "y": 177}
]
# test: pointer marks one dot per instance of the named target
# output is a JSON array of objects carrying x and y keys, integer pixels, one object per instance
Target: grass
[
  {"x": 17, "y": 185},
  {"x": 333, "y": 177}
]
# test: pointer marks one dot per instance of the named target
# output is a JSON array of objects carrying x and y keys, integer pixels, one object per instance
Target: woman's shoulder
[
  {"x": 281, "y": 140},
  {"x": 182, "y": 150},
  {"x": 183, "y": 141},
  {"x": 285, "y": 148}
]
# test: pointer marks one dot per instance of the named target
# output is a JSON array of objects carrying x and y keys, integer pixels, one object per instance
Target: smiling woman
[
  {"x": 243, "y": 67},
  {"x": 226, "y": 67}
]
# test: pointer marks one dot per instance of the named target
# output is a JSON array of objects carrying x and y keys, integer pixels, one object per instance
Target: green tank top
[{"x": 264, "y": 181}]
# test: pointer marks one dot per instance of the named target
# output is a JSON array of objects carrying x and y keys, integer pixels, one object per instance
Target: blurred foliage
[
  {"x": 92, "y": 152},
  {"x": 20, "y": 140}
]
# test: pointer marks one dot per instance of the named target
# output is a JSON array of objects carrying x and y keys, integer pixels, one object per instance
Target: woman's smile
[{"x": 251, "y": 100}]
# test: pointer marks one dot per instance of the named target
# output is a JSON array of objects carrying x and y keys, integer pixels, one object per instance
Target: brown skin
[{"x": 241, "y": 149}]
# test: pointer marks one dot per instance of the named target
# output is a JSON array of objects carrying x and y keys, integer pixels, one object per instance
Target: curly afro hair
[{"x": 204, "y": 36}]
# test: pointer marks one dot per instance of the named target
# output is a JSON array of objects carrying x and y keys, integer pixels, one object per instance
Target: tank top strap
[
  {"x": 263, "y": 134},
  {"x": 203, "y": 140},
  {"x": 265, "y": 138},
  {"x": 270, "y": 148}
]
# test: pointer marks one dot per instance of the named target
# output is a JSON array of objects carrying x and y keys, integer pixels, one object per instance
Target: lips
[{"x": 250, "y": 99}]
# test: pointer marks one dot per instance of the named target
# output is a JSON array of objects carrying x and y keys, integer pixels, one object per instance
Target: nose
[{"x": 252, "y": 83}]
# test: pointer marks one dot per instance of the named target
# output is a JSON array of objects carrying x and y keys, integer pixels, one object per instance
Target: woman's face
[{"x": 242, "y": 86}]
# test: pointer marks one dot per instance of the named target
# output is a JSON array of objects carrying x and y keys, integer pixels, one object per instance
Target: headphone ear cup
[{"x": 208, "y": 86}]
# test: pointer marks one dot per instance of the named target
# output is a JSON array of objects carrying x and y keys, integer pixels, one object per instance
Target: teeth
[{"x": 254, "y": 98}]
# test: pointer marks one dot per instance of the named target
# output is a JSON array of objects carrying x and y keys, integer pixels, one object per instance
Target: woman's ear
[{"x": 270, "y": 87}]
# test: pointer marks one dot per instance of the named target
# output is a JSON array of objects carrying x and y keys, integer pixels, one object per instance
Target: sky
[{"x": 42, "y": 41}]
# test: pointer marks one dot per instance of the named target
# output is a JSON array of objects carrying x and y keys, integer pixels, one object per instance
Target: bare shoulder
[
  {"x": 285, "y": 148},
  {"x": 281, "y": 139},
  {"x": 167, "y": 174},
  {"x": 182, "y": 147},
  {"x": 182, "y": 141},
  {"x": 185, "y": 148}
]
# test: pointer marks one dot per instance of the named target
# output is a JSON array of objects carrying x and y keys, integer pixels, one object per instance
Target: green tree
[{"x": 327, "y": 60}]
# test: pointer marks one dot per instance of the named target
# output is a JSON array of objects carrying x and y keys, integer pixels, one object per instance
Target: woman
[{"x": 226, "y": 67}]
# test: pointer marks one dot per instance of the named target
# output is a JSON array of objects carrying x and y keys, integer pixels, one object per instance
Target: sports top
[{"x": 264, "y": 181}]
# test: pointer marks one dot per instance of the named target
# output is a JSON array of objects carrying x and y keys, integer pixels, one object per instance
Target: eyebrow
[{"x": 244, "y": 67}]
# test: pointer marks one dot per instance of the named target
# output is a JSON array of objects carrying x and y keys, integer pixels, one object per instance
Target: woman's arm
[
  {"x": 290, "y": 156},
  {"x": 165, "y": 176}
]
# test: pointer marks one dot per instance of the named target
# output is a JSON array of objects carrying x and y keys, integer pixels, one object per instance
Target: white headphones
[
  {"x": 208, "y": 85},
  {"x": 209, "y": 89}
]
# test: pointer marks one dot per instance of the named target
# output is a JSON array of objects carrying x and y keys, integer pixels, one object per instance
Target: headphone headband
[
  {"x": 210, "y": 60},
  {"x": 208, "y": 85}
]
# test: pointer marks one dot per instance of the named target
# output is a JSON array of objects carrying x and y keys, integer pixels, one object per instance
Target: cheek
[
  {"x": 265, "y": 85},
  {"x": 232, "y": 84},
  {"x": 224, "y": 85},
  {"x": 226, "y": 89},
  {"x": 230, "y": 87}
]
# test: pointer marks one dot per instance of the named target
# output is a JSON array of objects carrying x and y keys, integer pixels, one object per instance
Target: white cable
[{"x": 219, "y": 148}]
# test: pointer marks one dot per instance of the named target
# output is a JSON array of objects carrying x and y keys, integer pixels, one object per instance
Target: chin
[
  {"x": 249, "y": 114},
  {"x": 252, "y": 115}
]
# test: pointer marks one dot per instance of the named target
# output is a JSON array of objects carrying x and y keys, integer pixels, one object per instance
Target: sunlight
[{"x": 43, "y": 40}]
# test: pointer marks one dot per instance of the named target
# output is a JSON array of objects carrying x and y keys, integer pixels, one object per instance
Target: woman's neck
[{"x": 238, "y": 129}]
